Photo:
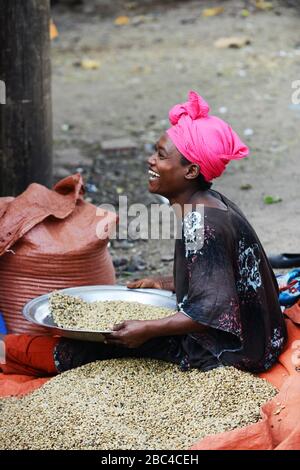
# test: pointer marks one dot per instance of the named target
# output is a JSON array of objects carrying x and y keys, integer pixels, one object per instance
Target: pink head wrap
[{"x": 203, "y": 139}]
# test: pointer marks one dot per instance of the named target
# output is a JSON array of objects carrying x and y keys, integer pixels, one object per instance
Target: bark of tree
[{"x": 26, "y": 118}]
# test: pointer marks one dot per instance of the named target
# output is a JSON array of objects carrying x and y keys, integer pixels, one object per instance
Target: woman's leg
[
  {"x": 40, "y": 356},
  {"x": 29, "y": 355},
  {"x": 164, "y": 348},
  {"x": 181, "y": 350},
  {"x": 69, "y": 354}
]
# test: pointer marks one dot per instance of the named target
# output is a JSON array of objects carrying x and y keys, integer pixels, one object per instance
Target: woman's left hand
[{"x": 129, "y": 334}]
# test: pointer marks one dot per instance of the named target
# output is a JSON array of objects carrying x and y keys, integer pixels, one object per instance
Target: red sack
[
  {"x": 279, "y": 428},
  {"x": 48, "y": 241}
]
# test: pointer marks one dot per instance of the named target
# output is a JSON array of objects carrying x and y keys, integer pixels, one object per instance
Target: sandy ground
[{"x": 150, "y": 64}]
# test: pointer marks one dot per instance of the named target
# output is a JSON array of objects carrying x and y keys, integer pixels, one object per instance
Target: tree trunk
[{"x": 26, "y": 118}]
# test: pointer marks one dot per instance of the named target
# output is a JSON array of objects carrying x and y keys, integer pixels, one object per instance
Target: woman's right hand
[
  {"x": 146, "y": 283},
  {"x": 159, "y": 282}
]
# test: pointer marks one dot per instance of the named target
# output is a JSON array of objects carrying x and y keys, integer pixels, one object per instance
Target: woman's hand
[
  {"x": 133, "y": 333},
  {"x": 129, "y": 334},
  {"x": 161, "y": 282},
  {"x": 146, "y": 283}
]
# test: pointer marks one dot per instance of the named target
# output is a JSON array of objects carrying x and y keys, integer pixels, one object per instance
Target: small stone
[
  {"x": 248, "y": 132},
  {"x": 188, "y": 20},
  {"x": 121, "y": 145},
  {"x": 141, "y": 19},
  {"x": 80, "y": 170},
  {"x": 242, "y": 73},
  {"x": 91, "y": 188},
  {"x": 234, "y": 42},
  {"x": 61, "y": 172},
  {"x": 167, "y": 258},
  {"x": 87, "y": 64},
  {"x": 208, "y": 12},
  {"x": 123, "y": 244},
  {"x": 120, "y": 262},
  {"x": 67, "y": 127},
  {"x": 71, "y": 157},
  {"x": 246, "y": 187},
  {"x": 136, "y": 263},
  {"x": 122, "y": 21}
]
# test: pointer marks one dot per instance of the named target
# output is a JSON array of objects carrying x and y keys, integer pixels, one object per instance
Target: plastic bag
[{"x": 49, "y": 239}]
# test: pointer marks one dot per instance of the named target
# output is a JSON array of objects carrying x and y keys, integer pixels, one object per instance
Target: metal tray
[{"x": 37, "y": 310}]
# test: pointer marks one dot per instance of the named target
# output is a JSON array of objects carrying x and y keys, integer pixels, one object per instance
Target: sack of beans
[{"x": 50, "y": 239}]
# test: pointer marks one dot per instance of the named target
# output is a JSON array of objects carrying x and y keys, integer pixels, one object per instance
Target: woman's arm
[
  {"x": 177, "y": 324},
  {"x": 133, "y": 333},
  {"x": 159, "y": 282}
]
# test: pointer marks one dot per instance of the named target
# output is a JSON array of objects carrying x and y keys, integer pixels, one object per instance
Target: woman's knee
[{"x": 29, "y": 355}]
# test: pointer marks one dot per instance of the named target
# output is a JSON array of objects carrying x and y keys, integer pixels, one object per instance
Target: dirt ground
[{"x": 149, "y": 64}]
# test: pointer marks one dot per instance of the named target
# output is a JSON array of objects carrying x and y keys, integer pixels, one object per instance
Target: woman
[{"x": 228, "y": 309}]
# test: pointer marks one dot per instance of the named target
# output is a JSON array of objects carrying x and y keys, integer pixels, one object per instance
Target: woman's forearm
[
  {"x": 177, "y": 324},
  {"x": 168, "y": 283}
]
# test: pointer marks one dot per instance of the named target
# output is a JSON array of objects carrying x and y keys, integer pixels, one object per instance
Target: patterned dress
[{"x": 224, "y": 281}]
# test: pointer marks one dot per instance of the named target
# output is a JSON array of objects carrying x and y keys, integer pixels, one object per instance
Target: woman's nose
[{"x": 151, "y": 159}]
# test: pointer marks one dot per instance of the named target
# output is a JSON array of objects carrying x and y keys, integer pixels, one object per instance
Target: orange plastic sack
[
  {"x": 294, "y": 313},
  {"x": 19, "y": 385},
  {"x": 279, "y": 428},
  {"x": 48, "y": 241}
]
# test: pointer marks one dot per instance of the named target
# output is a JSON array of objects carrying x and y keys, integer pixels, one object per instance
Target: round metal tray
[{"x": 37, "y": 310}]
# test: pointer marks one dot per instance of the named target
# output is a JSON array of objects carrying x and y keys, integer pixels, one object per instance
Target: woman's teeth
[{"x": 153, "y": 175}]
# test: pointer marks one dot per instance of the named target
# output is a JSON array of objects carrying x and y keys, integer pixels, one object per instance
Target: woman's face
[{"x": 166, "y": 173}]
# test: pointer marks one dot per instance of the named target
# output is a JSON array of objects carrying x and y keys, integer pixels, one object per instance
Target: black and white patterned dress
[{"x": 223, "y": 280}]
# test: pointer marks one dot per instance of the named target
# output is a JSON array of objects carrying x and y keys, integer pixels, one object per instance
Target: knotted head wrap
[{"x": 203, "y": 139}]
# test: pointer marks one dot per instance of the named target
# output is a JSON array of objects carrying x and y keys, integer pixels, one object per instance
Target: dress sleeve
[{"x": 212, "y": 297}]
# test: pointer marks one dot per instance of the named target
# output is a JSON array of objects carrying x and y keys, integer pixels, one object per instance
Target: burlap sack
[{"x": 48, "y": 241}]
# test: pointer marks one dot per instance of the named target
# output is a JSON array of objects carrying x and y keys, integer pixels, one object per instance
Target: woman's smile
[{"x": 153, "y": 175}]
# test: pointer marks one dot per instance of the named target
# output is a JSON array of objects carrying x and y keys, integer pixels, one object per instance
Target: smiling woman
[
  {"x": 228, "y": 311},
  {"x": 168, "y": 162}
]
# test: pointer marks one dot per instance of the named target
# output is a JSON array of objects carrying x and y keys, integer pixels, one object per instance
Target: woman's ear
[{"x": 192, "y": 171}]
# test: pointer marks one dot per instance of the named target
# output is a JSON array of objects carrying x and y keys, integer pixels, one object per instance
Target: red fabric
[
  {"x": 28, "y": 363},
  {"x": 18, "y": 385},
  {"x": 279, "y": 428},
  {"x": 294, "y": 313},
  {"x": 29, "y": 355}
]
